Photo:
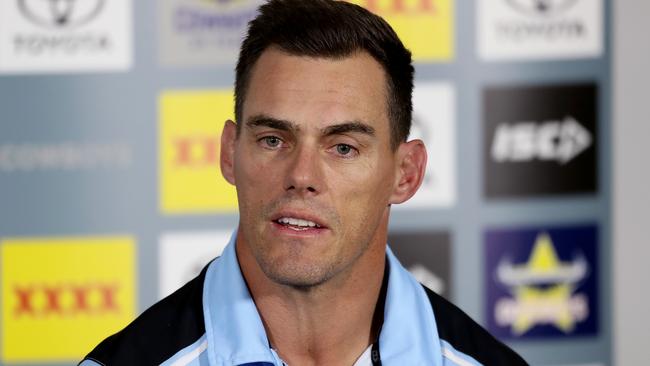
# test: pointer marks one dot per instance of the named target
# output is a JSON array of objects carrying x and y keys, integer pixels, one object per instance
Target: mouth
[{"x": 298, "y": 223}]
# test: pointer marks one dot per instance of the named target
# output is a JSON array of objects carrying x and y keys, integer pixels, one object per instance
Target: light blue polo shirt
[{"x": 235, "y": 334}]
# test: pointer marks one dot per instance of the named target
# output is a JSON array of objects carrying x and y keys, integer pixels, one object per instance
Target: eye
[
  {"x": 272, "y": 142},
  {"x": 345, "y": 150}
]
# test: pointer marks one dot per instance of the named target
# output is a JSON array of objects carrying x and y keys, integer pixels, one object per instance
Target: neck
[{"x": 304, "y": 325}]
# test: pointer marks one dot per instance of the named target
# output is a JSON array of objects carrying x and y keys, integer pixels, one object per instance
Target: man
[{"x": 318, "y": 156}]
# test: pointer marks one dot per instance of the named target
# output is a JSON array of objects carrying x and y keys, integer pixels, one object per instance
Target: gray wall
[{"x": 631, "y": 183}]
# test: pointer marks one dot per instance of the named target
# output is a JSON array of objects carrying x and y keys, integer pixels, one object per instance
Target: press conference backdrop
[{"x": 111, "y": 195}]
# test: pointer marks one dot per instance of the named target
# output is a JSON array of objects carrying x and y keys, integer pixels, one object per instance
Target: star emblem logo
[{"x": 543, "y": 290}]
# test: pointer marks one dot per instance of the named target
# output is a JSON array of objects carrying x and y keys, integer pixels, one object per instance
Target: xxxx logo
[
  {"x": 196, "y": 151},
  {"x": 425, "y": 26},
  {"x": 65, "y": 294},
  {"x": 43, "y": 300},
  {"x": 400, "y": 6},
  {"x": 190, "y": 141}
]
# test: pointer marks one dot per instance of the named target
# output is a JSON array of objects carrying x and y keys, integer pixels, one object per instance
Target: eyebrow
[
  {"x": 266, "y": 121},
  {"x": 354, "y": 126},
  {"x": 284, "y": 125}
]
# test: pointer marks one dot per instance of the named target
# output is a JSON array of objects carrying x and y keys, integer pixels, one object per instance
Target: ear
[
  {"x": 227, "y": 157},
  {"x": 411, "y": 165}
]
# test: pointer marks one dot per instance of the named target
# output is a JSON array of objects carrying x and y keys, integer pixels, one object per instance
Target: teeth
[{"x": 297, "y": 222}]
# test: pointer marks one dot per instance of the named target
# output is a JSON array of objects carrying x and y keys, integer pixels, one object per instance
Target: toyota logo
[
  {"x": 541, "y": 7},
  {"x": 60, "y": 13}
]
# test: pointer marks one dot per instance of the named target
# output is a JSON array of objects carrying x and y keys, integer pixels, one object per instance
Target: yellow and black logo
[
  {"x": 425, "y": 26},
  {"x": 190, "y": 139},
  {"x": 62, "y": 296}
]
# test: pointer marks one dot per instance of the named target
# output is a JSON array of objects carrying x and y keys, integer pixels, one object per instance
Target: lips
[{"x": 298, "y": 221}]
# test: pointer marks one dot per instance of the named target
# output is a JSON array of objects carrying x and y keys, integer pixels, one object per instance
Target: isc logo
[
  {"x": 64, "y": 294},
  {"x": 190, "y": 139},
  {"x": 559, "y": 141}
]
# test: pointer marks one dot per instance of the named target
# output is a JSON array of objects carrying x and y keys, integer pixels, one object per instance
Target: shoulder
[
  {"x": 466, "y": 336},
  {"x": 160, "y": 332}
]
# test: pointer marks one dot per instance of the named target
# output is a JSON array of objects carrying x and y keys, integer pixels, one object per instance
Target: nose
[{"x": 304, "y": 176}]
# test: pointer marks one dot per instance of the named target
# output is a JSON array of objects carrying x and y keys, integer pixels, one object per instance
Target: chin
[{"x": 296, "y": 275}]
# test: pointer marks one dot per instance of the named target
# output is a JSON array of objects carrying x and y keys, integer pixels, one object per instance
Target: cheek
[
  {"x": 253, "y": 183},
  {"x": 252, "y": 174},
  {"x": 366, "y": 181},
  {"x": 362, "y": 194}
]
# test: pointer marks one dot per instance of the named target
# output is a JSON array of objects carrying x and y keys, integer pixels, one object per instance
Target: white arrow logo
[{"x": 559, "y": 141}]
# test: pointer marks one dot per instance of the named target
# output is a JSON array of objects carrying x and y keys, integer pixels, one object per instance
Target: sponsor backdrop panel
[
  {"x": 64, "y": 295},
  {"x": 111, "y": 195},
  {"x": 427, "y": 256},
  {"x": 434, "y": 121},
  {"x": 542, "y": 282},
  {"x": 529, "y": 30},
  {"x": 190, "y": 142},
  {"x": 69, "y": 36},
  {"x": 540, "y": 140},
  {"x": 182, "y": 256},
  {"x": 202, "y": 33},
  {"x": 425, "y": 26}
]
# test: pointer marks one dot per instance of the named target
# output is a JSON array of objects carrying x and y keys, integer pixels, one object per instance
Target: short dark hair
[{"x": 330, "y": 29}]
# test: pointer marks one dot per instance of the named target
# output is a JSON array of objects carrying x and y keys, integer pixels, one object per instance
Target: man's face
[{"x": 313, "y": 165}]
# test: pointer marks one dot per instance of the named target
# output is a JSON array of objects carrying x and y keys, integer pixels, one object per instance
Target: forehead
[{"x": 318, "y": 91}]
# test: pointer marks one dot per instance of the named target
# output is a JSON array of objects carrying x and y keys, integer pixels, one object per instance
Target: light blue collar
[
  {"x": 409, "y": 335},
  {"x": 232, "y": 324},
  {"x": 236, "y": 334}
]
